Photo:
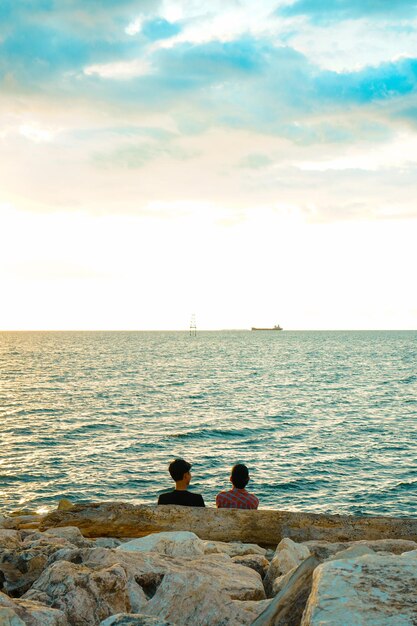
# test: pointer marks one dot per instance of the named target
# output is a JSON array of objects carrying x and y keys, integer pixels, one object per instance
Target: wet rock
[
  {"x": 17, "y": 612},
  {"x": 86, "y": 596},
  {"x": 256, "y": 562},
  {"x": 182, "y": 544},
  {"x": 288, "y": 556},
  {"x": 374, "y": 589}
]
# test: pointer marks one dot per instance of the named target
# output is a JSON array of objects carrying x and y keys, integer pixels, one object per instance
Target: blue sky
[{"x": 295, "y": 117}]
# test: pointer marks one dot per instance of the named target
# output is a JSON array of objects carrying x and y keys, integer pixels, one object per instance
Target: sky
[{"x": 250, "y": 162}]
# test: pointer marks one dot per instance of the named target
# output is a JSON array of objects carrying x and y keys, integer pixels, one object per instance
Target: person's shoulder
[
  {"x": 165, "y": 498},
  {"x": 196, "y": 498},
  {"x": 221, "y": 497}
]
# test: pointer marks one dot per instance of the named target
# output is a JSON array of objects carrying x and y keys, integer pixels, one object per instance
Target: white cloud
[
  {"x": 36, "y": 133},
  {"x": 120, "y": 70}
]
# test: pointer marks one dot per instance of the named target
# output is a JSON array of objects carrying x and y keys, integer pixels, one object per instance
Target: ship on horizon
[{"x": 276, "y": 327}]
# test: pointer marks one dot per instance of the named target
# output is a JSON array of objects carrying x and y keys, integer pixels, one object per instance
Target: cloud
[{"x": 322, "y": 11}]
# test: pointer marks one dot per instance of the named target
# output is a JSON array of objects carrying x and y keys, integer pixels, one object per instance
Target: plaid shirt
[{"x": 236, "y": 499}]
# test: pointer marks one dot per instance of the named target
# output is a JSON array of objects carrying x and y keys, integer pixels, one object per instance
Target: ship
[{"x": 276, "y": 327}]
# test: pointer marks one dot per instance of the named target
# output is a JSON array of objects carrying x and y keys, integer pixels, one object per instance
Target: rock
[
  {"x": 233, "y": 548},
  {"x": 22, "y": 521},
  {"x": 22, "y": 512},
  {"x": 9, "y": 618},
  {"x": 71, "y": 534},
  {"x": 256, "y": 562},
  {"x": 288, "y": 556},
  {"x": 65, "y": 505},
  {"x": 352, "y": 552},
  {"x": 9, "y": 538},
  {"x": 107, "y": 542},
  {"x": 85, "y": 596},
  {"x": 182, "y": 544},
  {"x": 147, "y": 570},
  {"x": 17, "y": 612},
  {"x": 324, "y": 549},
  {"x": 198, "y": 600},
  {"x": 374, "y": 589},
  {"x": 22, "y": 565},
  {"x": 286, "y": 609},
  {"x": 266, "y": 527},
  {"x": 280, "y": 582},
  {"x": 131, "y": 619}
]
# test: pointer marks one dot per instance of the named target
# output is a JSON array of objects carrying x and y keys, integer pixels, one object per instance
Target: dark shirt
[{"x": 184, "y": 498}]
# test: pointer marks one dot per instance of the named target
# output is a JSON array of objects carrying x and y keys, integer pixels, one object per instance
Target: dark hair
[
  {"x": 240, "y": 476},
  {"x": 178, "y": 468}
]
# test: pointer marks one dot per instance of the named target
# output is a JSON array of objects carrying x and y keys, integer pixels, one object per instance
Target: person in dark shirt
[{"x": 180, "y": 473}]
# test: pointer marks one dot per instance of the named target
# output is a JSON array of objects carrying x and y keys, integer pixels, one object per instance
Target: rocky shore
[{"x": 69, "y": 569}]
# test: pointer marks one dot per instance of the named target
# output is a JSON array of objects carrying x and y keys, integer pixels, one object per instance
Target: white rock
[
  {"x": 371, "y": 590},
  {"x": 182, "y": 543},
  {"x": 9, "y": 539},
  {"x": 280, "y": 582},
  {"x": 199, "y": 600},
  {"x": 352, "y": 553},
  {"x": 86, "y": 596},
  {"x": 234, "y": 548},
  {"x": 287, "y": 557},
  {"x": 72, "y": 534},
  {"x": 15, "y": 612},
  {"x": 324, "y": 549}
]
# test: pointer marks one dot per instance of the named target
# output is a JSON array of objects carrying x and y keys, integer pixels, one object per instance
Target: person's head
[
  {"x": 180, "y": 471},
  {"x": 239, "y": 476}
]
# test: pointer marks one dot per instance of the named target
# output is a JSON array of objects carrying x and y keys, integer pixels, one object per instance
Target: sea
[{"x": 325, "y": 421}]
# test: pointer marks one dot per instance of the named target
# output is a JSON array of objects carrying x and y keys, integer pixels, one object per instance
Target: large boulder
[
  {"x": 266, "y": 527},
  {"x": 199, "y": 600},
  {"x": 26, "y": 612},
  {"x": 147, "y": 570},
  {"x": 29, "y": 554},
  {"x": 374, "y": 589},
  {"x": 86, "y": 596}
]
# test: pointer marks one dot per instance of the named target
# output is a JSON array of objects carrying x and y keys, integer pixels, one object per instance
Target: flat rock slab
[
  {"x": 371, "y": 590},
  {"x": 267, "y": 527}
]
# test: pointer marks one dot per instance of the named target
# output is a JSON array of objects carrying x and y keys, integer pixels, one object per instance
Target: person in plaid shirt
[{"x": 238, "y": 497}]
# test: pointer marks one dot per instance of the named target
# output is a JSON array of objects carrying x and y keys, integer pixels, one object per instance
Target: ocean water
[{"x": 326, "y": 421}]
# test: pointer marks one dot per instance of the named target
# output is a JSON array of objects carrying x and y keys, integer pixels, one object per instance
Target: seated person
[
  {"x": 180, "y": 472},
  {"x": 238, "y": 497}
]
